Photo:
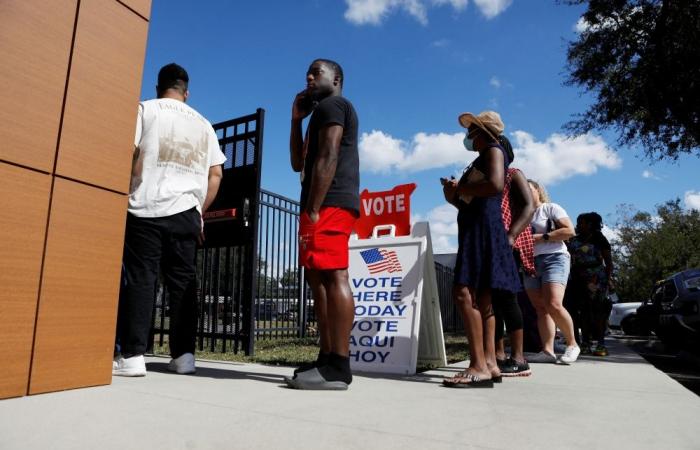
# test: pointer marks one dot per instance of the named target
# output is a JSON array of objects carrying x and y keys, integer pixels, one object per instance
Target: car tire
[
  {"x": 632, "y": 326},
  {"x": 669, "y": 337}
]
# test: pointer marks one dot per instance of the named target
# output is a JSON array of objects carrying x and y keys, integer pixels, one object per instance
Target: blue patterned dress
[{"x": 484, "y": 258}]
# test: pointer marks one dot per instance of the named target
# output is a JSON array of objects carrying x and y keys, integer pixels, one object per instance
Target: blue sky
[{"x": 411, "y": 66}]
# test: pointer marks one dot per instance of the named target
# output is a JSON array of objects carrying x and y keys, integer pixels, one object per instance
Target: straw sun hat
[{"x": 489, "y": 121}]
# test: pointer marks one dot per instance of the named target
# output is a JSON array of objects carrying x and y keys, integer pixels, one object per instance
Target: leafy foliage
[
  {"x": 650, "y": 248},
  {"x": 641, "y": 60}
]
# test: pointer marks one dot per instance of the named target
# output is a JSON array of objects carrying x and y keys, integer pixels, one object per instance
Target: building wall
[{"x": 71, "y": 75}]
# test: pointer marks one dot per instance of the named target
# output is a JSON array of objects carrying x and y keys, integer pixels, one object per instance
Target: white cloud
[
  {"x": 612, "y": 234},
  {"x": 441, "y": 43},
  {"x": 692, "y": 200},
  {"x": 382, "y": 153},
  {"x": 373, "y": 12},
  {"x": 495, "y": 82},
  {"x": 458, "y": 5},
  {"x": 551, "y": 161},
  {"x": 559, "y": 157},
  {"x": 650, "y": 175},
  {"x": 583, "y": 26},
  {"x": 492, "y": 8},
  {"x": 443, "y": 227}
]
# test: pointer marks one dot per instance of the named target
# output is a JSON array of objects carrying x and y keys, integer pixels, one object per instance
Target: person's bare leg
[
  {"x": 489, "y": 330},
  {"x": 501, "y": 349},
  {"x": 320, "y": 308},
  {"x": 468, "y": 308},
  {"x": 545, "y": 324},
  {"x": 553, "y": 298},
  {"x": 340, "y": 310}
]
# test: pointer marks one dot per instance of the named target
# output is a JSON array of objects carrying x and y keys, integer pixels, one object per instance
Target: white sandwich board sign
[{"x": 397, "y": 309}]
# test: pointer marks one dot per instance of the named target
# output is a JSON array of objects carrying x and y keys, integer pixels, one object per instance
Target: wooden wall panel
[
  {"x": 79, "y": 294},
  {"x": 35, "y": 42},
  {"x": 24, "y": 205},
  {"x": 97, "y": 139},
  {"x": 142, "y": 7}
]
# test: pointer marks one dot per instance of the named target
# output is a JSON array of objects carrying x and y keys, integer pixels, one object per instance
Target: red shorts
[{"x": 324, "y": 245}]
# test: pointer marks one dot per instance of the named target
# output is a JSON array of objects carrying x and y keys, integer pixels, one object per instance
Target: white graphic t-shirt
[
  {"x": 175, "y": 147},
  {"x": 543, "y": 213}
]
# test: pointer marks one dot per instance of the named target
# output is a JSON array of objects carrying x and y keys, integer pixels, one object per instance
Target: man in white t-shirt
[{"x": 176, "y": 171}]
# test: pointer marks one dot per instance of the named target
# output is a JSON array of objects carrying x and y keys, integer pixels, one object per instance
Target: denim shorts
[{"x": 551, "y": 268}]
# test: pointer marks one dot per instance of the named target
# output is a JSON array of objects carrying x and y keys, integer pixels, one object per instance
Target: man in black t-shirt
[{"x": 330, "y": 202}]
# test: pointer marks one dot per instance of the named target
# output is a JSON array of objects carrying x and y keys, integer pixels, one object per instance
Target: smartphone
[
  {"x": 444, "y": 180},
  {"x": 306, "y": 103}
]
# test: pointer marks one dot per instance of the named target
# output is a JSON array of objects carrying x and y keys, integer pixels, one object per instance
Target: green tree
[
  {"x": 290, "y": 278},
  {"x": 267, "y": 283},
  {"x": 641, "y": 61},
  {"x": 651, "y": 247}
]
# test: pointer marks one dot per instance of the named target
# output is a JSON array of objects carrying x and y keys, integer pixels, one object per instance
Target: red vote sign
[{"x": 385, "y": 208}]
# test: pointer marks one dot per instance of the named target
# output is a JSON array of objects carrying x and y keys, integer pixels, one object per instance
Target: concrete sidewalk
[{"x": 616, "y": 402}]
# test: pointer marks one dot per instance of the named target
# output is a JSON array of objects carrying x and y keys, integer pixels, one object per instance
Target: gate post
[{"x": 251, "y": 282}]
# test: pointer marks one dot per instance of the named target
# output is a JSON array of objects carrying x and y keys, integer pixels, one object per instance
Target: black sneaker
[{"x": 512, "y": 368}]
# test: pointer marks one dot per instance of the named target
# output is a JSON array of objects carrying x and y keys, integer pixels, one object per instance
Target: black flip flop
[{"x": 473, "y": 381}]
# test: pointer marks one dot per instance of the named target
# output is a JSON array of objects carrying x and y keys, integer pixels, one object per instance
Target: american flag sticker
[{"x": 381, "y": 261}]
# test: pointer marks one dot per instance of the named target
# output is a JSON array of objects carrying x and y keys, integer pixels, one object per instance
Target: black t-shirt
[{"x": 344, "y": 191}]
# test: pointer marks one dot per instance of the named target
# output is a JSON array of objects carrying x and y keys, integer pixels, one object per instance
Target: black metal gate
[{"x": 226, "y": 264}]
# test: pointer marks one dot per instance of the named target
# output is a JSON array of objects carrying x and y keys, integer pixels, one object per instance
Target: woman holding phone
[{"x": 484, "y": 258}]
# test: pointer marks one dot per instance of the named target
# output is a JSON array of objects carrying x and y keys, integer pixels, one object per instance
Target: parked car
[
  {"x": 624, "y": 317},
  {"x": 673, "y": 309}
]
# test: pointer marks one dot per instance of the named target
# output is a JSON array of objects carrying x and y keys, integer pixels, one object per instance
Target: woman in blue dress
[{"x": 485, "y": 257}]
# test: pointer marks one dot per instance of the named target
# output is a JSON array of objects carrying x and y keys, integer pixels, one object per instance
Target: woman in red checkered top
[{"x": 517, "y": 208}]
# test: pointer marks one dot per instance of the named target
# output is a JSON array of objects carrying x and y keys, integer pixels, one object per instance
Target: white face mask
[{"x": 468, "y": 143}]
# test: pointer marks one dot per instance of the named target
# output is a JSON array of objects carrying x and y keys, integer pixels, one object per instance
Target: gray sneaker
[
  {"x": 541, "y": 358},
  {"x": 313, "y": 380}
]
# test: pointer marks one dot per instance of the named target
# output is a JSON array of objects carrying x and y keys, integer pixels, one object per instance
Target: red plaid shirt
[{"x": 524, "y": 242}]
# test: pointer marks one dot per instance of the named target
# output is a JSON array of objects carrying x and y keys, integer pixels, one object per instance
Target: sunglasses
[{"x": 472, "y": 133}]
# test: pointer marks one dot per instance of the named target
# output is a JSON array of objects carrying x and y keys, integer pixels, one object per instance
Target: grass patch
[
  {"x": 297, "y": 351},
  {"x": 456, "y": 347},
  {"x": 278, "y": 352}
]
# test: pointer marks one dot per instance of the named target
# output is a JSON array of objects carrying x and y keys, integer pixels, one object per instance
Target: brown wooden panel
[
  {"x": 97, "y": 138},
  {"x": 24, "y": 204},
  {"x": 142, "y": 7},
  {"x": 35, "y": 41},
  {"x": 80, "y": 286}
]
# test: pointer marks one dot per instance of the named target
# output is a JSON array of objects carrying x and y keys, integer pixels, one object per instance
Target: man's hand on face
[{"x": 301, "y": 107}]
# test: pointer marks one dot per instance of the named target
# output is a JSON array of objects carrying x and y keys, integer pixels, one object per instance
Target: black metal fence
[
  {"x": 283, "y": 304},
  {"x": 451, "y": 319}
]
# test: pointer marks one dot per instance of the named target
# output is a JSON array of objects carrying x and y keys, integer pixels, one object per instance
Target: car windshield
[{"x": 692, "y": 284}]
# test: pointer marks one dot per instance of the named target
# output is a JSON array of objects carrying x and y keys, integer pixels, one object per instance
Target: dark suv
[{"x": 673, "y": 310}]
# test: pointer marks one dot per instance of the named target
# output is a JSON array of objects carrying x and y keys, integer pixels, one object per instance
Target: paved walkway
[{"x": 619, "y": 402}]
